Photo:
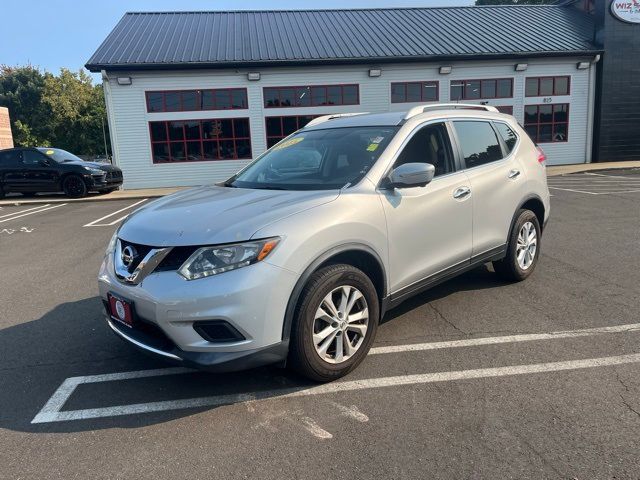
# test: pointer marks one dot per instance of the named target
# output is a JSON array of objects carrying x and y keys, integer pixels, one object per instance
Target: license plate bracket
[{"x": 121, "y": 310}]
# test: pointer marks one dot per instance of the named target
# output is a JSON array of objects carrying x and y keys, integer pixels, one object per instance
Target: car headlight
[
  {"x": 95, "y": 171},
  {"x": 207, "y": 261}
]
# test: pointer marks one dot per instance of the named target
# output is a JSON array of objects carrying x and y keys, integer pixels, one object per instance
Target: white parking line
[
  {"x": 33, "y": 212},
  {"x": 51, "y": 412},
  {"x": 23, "y": 211},
  {"x": 369, "y": 383},
  {"x": 96, "y": 223}
]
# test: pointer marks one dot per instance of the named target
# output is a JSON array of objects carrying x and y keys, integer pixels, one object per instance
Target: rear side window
[
  {"x": 478, "y": 142},
  {"x": 507, "y": 135},
  {"x": 10, "y": 159}
]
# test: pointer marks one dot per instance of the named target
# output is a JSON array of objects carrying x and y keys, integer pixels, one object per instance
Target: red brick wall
[{"x": 6, "y": 138}]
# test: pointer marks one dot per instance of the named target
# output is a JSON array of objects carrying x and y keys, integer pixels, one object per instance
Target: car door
[
  {"x": 496, "y": 180},
  {"x": 11, "y": 174},
  {"x": 429, "y": 228},
  {"x": 40, "y": 173}
]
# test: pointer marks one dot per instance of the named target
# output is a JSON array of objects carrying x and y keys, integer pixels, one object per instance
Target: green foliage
[
  {"x": 515, "y": 2},
  {"x": 64, "y": 111}
]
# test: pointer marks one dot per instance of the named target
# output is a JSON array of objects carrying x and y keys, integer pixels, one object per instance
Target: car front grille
[{"x": 172, "y": 262}]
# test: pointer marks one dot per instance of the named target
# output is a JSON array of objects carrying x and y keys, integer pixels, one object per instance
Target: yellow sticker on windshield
[
  {"x": 288, "y": 143},
  {"x": 50, "y": 152},
  {"x": 372, "y": 147}
]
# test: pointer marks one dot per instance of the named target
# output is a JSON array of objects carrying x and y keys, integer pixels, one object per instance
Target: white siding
[{"x": 129, "y": 118}]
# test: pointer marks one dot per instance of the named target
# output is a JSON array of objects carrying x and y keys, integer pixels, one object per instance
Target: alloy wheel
[
  {"x": 340, "y": 324},
  {"x": 527, "y": 245}
]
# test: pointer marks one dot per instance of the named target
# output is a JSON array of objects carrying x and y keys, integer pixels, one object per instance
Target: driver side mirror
[{"x": 410, "y": 175}]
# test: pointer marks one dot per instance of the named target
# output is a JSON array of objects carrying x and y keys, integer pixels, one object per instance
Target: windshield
[
  {"x": 59, "y": 155},
  {"x": 316, "y": 159}
]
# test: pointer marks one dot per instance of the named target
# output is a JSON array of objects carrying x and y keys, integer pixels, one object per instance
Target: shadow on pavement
[{"x": 73, "y": 340}]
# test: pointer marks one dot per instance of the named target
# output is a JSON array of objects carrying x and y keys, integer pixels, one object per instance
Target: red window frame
[
  {"x": 181, "y": 108},
  {"x": 282, "y": 117},
  {"x": 481, "y": 80},
  {"x": 311, "y": 87},
  {"x": 422, "y": 85},
  {"x": 553, "y": 94},
  {"x": 537, "y": 124},
  {"x": 201, "y": 139}
]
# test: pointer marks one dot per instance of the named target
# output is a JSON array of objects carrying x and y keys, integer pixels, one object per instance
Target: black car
[{"x": 32, "y": 170}]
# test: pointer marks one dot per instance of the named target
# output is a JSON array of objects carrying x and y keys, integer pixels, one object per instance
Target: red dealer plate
[{"x": 120, "y": 310}]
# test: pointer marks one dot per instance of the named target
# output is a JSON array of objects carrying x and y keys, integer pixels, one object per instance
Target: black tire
[
  {"x": 303, "y": 356},
  {"x": 509, "y": 268},
  {"x": 74, "y": 186}
]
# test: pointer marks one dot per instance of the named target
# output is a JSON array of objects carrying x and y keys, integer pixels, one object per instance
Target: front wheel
[
  {"x": 523, "y": 249},
  {"x": 335, "y": 324},
  {"x": 74, "y": 186}
]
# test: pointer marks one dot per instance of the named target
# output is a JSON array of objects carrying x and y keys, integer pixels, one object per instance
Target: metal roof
[{"x": 252, "y": 38}]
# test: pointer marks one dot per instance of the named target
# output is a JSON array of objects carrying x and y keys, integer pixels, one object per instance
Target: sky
[{"x": 51, "y": 34}]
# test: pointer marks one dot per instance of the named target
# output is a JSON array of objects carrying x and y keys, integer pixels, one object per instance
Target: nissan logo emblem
[{"x": 129, "y": 254}]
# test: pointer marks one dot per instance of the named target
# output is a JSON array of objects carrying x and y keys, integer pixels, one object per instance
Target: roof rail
[
  {"x": 326, "y": 118},
  {"x": 447, "y": 106}
]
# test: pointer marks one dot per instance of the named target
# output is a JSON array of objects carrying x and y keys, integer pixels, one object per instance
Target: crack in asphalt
[{"x": 442, "y": 317}]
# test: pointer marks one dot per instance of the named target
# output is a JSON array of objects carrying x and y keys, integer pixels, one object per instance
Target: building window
[
  {"x": 477, "y": 89},
  {"x": 411, "y": 92},
  {"x": 281, "y": 127},
  {"x": 547, "y": 123},
  {"x": 547, "y": 86},
  {"x": 200, "y": 140},
  {"x": 508, "y": 109},
  {"x": 196, "y": 100},
  {"x": 311, "y": 96}
]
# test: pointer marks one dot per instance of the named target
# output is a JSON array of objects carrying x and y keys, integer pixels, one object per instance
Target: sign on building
[{"x": 626, "y": 10}]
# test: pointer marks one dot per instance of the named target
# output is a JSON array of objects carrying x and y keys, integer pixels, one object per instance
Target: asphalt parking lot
[{"x": 473, "y": 379}]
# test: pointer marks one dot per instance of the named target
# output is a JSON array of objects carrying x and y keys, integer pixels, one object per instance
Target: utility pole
[{"x": 104, "y": 137}]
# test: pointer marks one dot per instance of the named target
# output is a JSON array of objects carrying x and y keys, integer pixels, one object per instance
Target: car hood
[
  {"x": 212, "y": 215},
  {"x": 107, "y": 167}
]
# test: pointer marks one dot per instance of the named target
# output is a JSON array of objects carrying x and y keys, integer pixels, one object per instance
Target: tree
[
  {"x": 21, "y": 90},
  {"x": 515, "y": 2},
  {"x": 77, "y": 111},
  {"x": 64, "y": 111}
]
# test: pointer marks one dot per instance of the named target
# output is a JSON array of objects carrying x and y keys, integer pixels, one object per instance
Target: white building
[{"x": 193, "y": 96}]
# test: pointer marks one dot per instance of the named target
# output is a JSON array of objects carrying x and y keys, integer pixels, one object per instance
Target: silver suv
[{"x": 296, "y": 258}]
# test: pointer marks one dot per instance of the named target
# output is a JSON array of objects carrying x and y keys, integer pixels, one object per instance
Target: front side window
[
  {"x": 412, "y": 92},
  {"x": 479, "y": 89},
  {"x": 478, "y": 142},
  {"x": 317, "y": 160},
  {"x": 31, "y": 158},
  {"x": 431, "y": 145},
  {"x": 547, "y": 123},
  {"x": 200, "y": 140}
]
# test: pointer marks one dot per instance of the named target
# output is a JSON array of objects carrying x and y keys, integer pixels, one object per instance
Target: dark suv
[{"x": 32, "y": 170}]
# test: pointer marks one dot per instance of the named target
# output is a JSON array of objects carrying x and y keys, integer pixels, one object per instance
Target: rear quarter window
[{"x": 508, "y": 135}]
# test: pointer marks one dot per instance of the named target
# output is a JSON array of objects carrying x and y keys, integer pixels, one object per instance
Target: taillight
[{"x": 542, "y": 158}]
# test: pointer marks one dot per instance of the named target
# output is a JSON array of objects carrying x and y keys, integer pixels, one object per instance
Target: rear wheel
[
  {"x": 523, "y": 249},
  {"x": 335, "y": 323},
  {"x": 74, "y": 186}
]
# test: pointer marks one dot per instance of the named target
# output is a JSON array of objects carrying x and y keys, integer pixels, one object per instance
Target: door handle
[
  {"x": 461, "y": 192},
  {"x": 514, "y": 174}
]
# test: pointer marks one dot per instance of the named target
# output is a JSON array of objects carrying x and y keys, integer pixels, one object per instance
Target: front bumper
[
  {"x": 252, "y": 300},
  {"x": 210, "y": 361},
  {"x": 103, "y": 182}
]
